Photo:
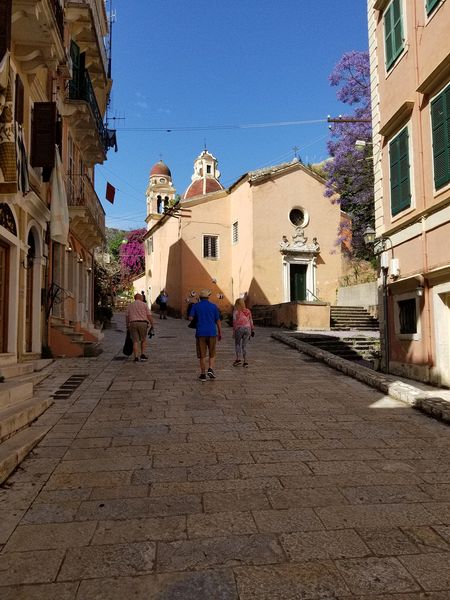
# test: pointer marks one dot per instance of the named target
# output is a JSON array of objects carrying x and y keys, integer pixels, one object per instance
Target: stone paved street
[{"x": 286, "y": 481}]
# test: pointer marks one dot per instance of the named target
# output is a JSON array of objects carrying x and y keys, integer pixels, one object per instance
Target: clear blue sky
[{"x": 206, "y": 63}]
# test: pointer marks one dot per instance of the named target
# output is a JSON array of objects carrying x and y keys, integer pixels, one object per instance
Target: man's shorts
[
  {"x": 138, "y": 330},
  {"x": 204, "y": 344}
]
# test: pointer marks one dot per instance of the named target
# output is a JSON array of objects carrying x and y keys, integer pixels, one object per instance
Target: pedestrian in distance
[
  {"x": 144, "y": 299},
  {"x": 162, "y": 300},
  {"x": 208, "y": 331},
  {"x": 243, "y": 329},
  {"x": 138, "y": 319}
]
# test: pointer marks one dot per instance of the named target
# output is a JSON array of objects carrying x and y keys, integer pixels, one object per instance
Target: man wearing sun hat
[{"x": 208, "y": 331}]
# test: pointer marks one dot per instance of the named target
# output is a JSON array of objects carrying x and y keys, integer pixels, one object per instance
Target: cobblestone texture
[{"x": 289, "y": 480}]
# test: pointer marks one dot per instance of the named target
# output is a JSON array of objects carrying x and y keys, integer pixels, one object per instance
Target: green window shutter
[
  {"x": 399, "y": 173},
  {"x": 440, "y": 122},
  {"x": 430, "y": 5},
  {"x": 393, "y": 32}
]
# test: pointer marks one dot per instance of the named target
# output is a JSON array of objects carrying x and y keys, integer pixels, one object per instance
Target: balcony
[
  {"x": 87, "y": 217},
  {"x": 85, "y": 119},
  {"x": 37, "y": 34},
  {"x": 89, "y": 26}
]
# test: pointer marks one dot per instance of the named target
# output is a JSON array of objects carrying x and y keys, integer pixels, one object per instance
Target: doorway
[
  {"x": 29, "y": 305},
  {"x": 4, "y": 270},
  {"x": 297, "y": 275}
]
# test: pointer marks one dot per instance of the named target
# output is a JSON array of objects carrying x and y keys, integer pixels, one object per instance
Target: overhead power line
[{"x": 222, "y": 127}]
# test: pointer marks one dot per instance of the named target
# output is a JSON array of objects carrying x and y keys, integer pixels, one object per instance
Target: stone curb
[{"x": 436, "y": 407}]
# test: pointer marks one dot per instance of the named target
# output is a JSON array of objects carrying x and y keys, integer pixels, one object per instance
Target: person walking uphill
[
  {"x": 208, "y": 326},
  {"x": 242, "y": 330},
  {"x": 162, "y": 300},
  {"x": 138, "y": 318}
]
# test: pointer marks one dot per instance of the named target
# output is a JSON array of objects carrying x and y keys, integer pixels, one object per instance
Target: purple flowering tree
[
  {"x": 131, "y": 256},
  {"x": 350, "y": 170}
]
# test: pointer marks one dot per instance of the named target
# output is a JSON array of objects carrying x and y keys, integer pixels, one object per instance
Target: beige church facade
[{"x": 269, "y": 238}]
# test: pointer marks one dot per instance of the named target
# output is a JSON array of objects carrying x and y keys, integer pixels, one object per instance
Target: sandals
[
  {"x": 237, "y": 362},
  {"x": 245, "y": 365}
]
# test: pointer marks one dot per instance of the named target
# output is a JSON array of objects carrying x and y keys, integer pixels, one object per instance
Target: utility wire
[{"x": 222, "y": 127}]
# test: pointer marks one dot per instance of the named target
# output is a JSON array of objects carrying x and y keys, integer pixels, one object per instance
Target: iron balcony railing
[
  {"x": 81, "y": 192},
  {"x": 81, "y": 88}
]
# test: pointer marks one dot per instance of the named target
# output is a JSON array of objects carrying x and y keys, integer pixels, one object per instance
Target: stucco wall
[
  {"x": 302, "y": 315},
  {"x": 363, "y": 294}
]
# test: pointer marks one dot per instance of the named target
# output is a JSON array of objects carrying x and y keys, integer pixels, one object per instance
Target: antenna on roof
[
  {"x": 295, "y": 149},
  {"x": 204, "y": 143}
]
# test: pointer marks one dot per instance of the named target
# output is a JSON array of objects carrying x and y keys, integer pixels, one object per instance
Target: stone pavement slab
[{"x": 288, "y": 480}]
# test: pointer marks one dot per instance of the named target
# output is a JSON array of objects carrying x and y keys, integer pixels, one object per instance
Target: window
[
  {"x": 393, "y": 32},
  {"x": 399, "y": 173},
  {"x": 210, "y": 246},
  {"x": 440, "y": 124},
  {"x": 208, "y": 168},
  {"x": 150, "y": 245},
  {"x": 407, "y": 316},
  {"x": 430, "y": 5},
  {"x": 235, "y": 233},
  {"x": 297, "y": 217}
]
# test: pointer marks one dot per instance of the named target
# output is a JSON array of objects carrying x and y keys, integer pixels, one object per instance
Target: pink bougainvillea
[{"x": 131, "y": 255}]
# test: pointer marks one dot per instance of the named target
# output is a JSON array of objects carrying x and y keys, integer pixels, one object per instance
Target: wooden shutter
[
  {"x": 18, "y": 101},
  {"x": 393, "y": 32},
  {"x": 399, "y": 173},
  {"x": 5, "y": 26},
  {"x": 431, "y": 4},
  {"x": 78, "y": 68},
  {"x": 43, "y": 135},
  {"x": 440, "y": 120}
]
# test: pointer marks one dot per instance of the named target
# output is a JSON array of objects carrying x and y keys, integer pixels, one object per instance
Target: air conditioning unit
[{"x": 395, "y": 267}]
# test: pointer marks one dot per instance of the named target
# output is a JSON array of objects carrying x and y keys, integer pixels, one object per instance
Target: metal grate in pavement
[{"x": 69, "y": 386}]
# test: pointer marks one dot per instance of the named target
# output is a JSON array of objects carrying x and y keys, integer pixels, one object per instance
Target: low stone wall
[
  {"x": 302, "y": 315},
  {"x": 363, "y": 294}
]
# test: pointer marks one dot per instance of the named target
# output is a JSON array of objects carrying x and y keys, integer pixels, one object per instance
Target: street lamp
[{"x": 379, "y": 245}]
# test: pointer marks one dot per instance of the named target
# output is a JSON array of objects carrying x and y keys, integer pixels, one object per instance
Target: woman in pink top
[{"x": 242, "y": 330}]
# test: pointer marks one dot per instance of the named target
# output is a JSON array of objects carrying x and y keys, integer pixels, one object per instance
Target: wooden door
[
  {"x": 298, "y": 282},
  {"x": 4, "y": 276},
  {"x": 29, "y": 311}
]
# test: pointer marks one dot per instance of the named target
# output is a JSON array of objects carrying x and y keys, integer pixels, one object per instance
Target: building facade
[
  {"x": 270, "y": 237},
  {"x": 54, "y": 87},
  {"x": 410, "y": 72}
]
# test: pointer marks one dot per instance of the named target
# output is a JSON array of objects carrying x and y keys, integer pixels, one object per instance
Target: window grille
[
  {"x": 235, "y": 233},
  {"x": 210, "y": 246},
  {"x": 407, "y": 315}
]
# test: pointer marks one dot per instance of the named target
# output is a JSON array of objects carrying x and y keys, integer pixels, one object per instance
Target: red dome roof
[
  {"x": 202, "y": 186},
  {"x": 160, "y": 169}
]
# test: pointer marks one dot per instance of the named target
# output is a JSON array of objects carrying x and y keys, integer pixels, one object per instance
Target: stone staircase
[
  {"x": 73, "y": 343},
  {"x": 19, "y": 410},
  {"x": 345, "y": 318},
  {"x": 357, "y": 348}
]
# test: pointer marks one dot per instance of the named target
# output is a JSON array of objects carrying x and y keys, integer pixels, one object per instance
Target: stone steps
[
  {"x": 351, "y": 348},
  {"x": 16, "y": 416},
  {"x": 16, "y": 448},
  {"x": 345, "y": 318},
  {"x": 19, "y": 409}
]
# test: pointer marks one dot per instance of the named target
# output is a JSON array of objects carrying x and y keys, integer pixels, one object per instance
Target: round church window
[{"x": 298, "y": 217}]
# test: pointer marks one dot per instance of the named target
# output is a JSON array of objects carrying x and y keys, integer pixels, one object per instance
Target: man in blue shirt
[{"x": 208, "y": 330}]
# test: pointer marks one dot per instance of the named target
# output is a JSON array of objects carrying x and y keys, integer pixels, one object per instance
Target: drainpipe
[{"x": 385, "y": 271}]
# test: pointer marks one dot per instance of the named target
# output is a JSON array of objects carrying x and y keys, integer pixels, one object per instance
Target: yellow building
[
  {"x": 410, "y": 71},
  {"x": 270, "y": 237}
]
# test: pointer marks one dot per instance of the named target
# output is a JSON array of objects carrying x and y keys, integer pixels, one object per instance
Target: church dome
[
  {"x": 160, "y": 168},
  {"x": 199, "y": 187}
]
